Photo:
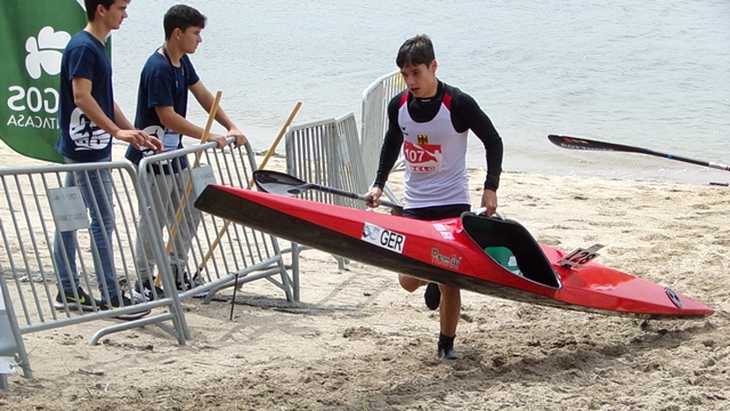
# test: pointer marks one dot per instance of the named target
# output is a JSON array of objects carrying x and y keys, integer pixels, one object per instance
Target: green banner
[{"x": 33, "y": 35}]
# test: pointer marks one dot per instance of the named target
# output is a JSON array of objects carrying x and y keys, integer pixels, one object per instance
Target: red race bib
[{"x": 423, "y": 158}]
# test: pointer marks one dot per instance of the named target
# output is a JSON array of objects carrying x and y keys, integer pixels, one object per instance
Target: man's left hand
[
  {"x": 238, "y": 135},
  {"x": 489, "y": 201}
]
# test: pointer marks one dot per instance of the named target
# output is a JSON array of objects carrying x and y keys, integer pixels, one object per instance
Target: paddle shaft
[
  {"x": 342, "y": 193},
  {"x": 270, "y": 152},
  {"x": 578, "y": 143}
]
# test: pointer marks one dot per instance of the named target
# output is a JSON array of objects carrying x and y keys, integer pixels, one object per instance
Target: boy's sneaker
[
  {"x": 83, "y": 303},
  {"x": 116, "y": 302},
  {"x": 432, "y": 296},
  {"x": 145, "y": 287},
  {"x": 126, "y": 302},
  {"x": 184, "y": 282}
]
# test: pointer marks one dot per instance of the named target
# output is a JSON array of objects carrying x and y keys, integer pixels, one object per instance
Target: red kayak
[{"x": 482, "y": 254}]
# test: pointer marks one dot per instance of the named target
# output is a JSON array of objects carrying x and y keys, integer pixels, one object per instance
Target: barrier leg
[{"x": 295, "y": 270}]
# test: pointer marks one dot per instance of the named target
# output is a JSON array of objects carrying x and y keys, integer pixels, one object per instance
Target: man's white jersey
[{"x": 435, "y": 155}]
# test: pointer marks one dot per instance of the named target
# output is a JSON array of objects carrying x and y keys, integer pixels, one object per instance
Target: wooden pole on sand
[
  {"x": 189, "y": 187},
  {"x": 269, "y": 153}
]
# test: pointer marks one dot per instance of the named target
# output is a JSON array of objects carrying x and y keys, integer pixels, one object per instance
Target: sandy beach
[{"x": 357, "y": 341}]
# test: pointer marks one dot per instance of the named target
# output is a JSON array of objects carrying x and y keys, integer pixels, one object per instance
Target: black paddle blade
[
  {"x": 579, "y": 143},
  {"x": 278, "y": 183}
]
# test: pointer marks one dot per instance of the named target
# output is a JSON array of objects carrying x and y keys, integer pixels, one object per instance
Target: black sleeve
[
  {"x": 391, "y": 144},
  {"x": 468, "y": 115}
]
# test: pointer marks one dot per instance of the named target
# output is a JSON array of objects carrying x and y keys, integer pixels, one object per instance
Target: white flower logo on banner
[{"x": 45, "y": 53}]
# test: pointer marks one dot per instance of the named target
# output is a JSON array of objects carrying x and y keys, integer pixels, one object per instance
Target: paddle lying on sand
[
  {"x": 285, "y": 184},
  {"x": 578, "y": 143}
]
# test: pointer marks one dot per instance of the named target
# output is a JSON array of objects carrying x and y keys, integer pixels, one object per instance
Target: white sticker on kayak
[
  {"x": 445, "y": 232},
  {"x": 384, "y": 238}
]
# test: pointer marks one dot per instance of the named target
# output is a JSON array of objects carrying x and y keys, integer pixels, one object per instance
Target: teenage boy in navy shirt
[
  {"x": 89, "y": 119},
  {"x": 162, "y": 102},
  {"x": 431, "y": 121}
]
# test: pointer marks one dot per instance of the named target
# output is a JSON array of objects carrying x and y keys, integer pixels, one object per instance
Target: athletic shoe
[
  {"x": 145, "y": 288},
  {"x": 116, "y": 302},
  {"x": 447, "y": 354},
  {"x": 184, "y": 282},
  {"x": 126, "y": 302},
  {"x": 432, "y": 296},
  {"x": 84, "y": 302}
]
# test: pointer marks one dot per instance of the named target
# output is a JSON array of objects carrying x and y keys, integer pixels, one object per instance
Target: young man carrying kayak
[
  {"x": 431, "y": 121},
  {"x": 162, "y": 102}
]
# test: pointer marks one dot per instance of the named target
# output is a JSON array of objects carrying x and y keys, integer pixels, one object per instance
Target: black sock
[{"x": 446, "y": 342}]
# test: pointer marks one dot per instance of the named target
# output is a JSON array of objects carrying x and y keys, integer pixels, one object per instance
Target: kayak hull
[{"x": 444, "y": 252}]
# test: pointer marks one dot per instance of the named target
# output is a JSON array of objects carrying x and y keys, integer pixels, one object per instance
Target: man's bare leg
[
  {"x": 450, "y": 309},
  {"x": 409, "y": 283},
  {"x": 449, "y": 312}
]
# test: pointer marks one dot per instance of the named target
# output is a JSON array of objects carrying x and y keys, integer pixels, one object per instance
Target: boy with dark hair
[
  {"x": 431, "y": 120},
  {"x": 88, "y": 119},
  {"x": 92, "y": 5},
  {"x": 162, "y": 102}
]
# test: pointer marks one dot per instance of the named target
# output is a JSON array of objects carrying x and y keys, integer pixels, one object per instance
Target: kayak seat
[{"x": 497, "y": 232}]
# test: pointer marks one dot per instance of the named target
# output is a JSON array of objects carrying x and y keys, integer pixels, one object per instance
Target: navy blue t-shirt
[
  {"x": 162, "y": 85},
  {"x": 80, "y": 138}
]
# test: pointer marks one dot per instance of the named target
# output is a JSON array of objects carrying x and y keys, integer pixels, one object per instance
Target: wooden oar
[
  {"x": 269, "y": 153},
  {"x": 189, "y": 187}
]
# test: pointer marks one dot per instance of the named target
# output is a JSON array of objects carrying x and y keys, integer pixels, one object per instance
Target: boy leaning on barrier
[
  {"x": 162, "y": 101},
  {"x": 88, "y": 119}
]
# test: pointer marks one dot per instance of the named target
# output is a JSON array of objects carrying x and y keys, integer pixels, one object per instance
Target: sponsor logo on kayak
[
  {"x": 444, "y": 231},
  {"x": 383, "y": 238},
  {"x": 673, "y": 297},
  {"x": 444, "y": 260}
]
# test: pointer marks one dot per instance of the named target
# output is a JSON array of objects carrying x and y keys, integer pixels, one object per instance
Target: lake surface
[{"x": 652, "y": 74}]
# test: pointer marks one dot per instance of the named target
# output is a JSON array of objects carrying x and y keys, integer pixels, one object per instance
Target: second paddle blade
[{"x": 277, "y": 183}]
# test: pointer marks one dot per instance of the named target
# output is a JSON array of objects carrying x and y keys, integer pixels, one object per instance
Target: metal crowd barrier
[
  {"x": 204, "y": 253},
  {"x": 312, "y": 155},
  {"x": 374, "y": 119},
  {"x": 12, "y": 349},
  {"x": 352, "y": 170},
  {"x": 94, "y": 216},
  {"x": 326, "y": 152}
]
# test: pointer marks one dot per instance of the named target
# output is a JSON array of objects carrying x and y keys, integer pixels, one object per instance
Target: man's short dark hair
[
  {"x": 181, "y": 17},
  {"x": 416, "y": 50},
  {"x": 92, "y": 4}
]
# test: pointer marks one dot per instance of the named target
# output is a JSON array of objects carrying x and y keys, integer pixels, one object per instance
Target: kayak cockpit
[{"x": 510, "y": 244}]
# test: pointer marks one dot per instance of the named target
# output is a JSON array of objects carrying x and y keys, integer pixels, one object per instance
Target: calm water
[{"x": 653, "y": 74}]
